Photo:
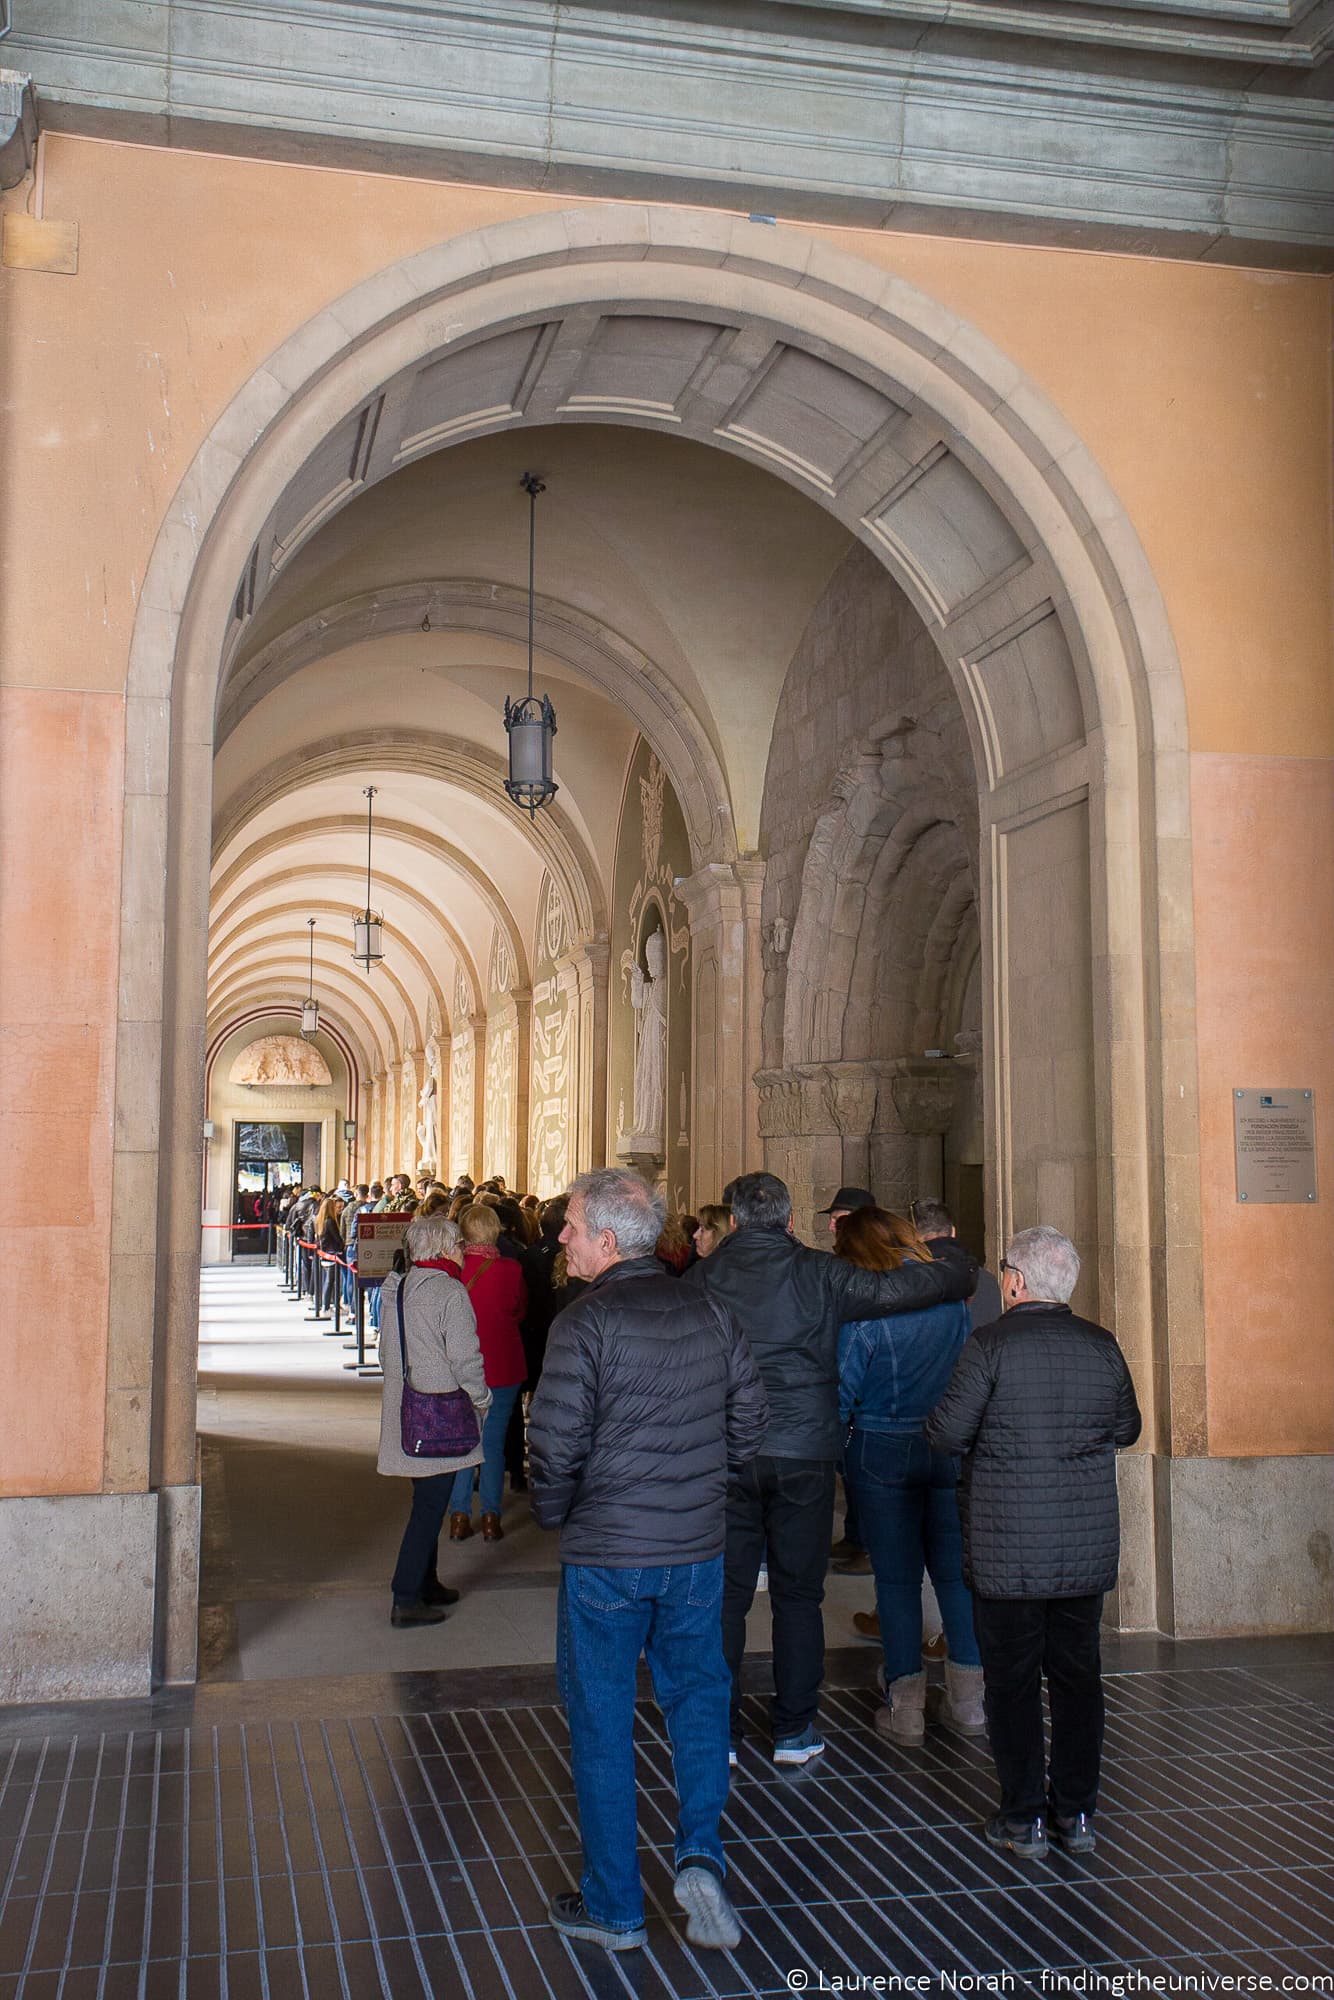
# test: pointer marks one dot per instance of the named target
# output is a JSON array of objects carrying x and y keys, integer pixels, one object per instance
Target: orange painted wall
[
  {"x": 1203, "y": 392},
  {"x": 59, "y": 918},
  {"x": 1264, "y": 910}
]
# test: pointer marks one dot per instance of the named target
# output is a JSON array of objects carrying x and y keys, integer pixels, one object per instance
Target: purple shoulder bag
[{"x": 442, "y": 1424}]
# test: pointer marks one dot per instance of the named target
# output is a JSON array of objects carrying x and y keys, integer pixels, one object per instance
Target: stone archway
[{"x": 936, "y": 453}]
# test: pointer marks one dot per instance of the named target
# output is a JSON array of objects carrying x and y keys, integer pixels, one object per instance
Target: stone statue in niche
[
  {"x": 428, "y": 1128},
  {"x": 648, "y": 994}
]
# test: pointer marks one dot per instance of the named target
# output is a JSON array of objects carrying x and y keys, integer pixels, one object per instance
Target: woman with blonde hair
[
  {"x": 892, "y": 1373},
  {"x": 427, "y": 1319},
  {"x": 715, "y": 1222},
  {"x": 499, "y": 1298}
]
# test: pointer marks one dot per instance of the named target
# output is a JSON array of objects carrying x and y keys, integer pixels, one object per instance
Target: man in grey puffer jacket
[{"x": 649, "y": 1398}]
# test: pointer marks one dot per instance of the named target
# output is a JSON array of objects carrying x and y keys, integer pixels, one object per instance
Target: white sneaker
[{"x": 712, "y": 1920}]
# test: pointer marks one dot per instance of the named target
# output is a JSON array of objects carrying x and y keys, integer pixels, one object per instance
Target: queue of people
[{"x": 695, "y": 1391}]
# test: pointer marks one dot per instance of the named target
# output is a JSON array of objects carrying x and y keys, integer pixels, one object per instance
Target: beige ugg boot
[
  {"x": 903, "y": 1719},
  {"x": 960, "y": 1705}
]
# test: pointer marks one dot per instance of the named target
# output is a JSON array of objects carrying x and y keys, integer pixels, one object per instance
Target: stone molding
[
  {"x": 900, "y": 1095},
  {"x": 1186, "y": 151}
]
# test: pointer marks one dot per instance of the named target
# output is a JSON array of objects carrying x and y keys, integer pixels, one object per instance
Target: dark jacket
[
  {"x": 790, "y": 1301},
  {"x": 1038, "y": 1404},
  {"x": 648, "y": 1399}
]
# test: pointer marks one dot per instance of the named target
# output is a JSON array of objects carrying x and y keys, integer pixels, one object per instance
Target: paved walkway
[
  {"x": 400, "y": 1836},
  {"x": 300, "y": 1532}
]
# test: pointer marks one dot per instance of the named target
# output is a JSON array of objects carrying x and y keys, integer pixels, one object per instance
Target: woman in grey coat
[{"x": 440, "y": 1334}]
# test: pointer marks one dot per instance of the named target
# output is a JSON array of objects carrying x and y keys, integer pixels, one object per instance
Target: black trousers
[
  {"x": 781, "y": 1509},
  {"x": 1021, "y": 1639},
  {"x": 415, "y": 1568}
]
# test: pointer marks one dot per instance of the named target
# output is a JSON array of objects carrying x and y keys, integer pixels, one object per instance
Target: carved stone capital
[{"x": 924, "y": 1093}]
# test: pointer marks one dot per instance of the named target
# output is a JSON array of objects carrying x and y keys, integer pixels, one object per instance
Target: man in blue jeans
[{"x": 649, "y": 1399}]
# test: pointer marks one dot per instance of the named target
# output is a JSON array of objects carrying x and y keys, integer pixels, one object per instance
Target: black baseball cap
[{"x": 849, "y": 1199}]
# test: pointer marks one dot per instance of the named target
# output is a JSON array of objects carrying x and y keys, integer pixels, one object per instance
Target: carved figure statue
[
  {"x": 428, "y": 1129},
  {"x": 648, "y": 992}
]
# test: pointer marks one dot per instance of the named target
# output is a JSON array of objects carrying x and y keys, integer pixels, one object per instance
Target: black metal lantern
[
  {"x": 531, "y": 721},
  {"x": 368, "y": 928},
  {"x": 310, "y": 1006}
]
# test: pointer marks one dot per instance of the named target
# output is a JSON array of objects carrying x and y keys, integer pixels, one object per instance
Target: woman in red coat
[{"x": 495, "y": 1286}]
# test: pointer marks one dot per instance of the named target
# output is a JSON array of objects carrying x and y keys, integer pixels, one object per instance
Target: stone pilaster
[
  {"x": 521, "y": 1178},
  {"x": 722, "y": 902},
  {"x": 591, "y": 967},
  {"x": 477, "y": 1025}
]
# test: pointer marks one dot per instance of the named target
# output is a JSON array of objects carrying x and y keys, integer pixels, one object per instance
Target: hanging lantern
[
  {"x": 530, "y": 722},
  {"x": 310, "y": 1006},
  {"x": 368, "y": 928}
]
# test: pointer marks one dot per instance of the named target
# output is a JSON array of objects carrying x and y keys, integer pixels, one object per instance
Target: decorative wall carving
[
  {"x": 464, "y": 1002},
  {"x": 461, "y": 1099},
  {"x": 280, "y": 1059},
  {"x": 554, "y": 1057},
  {"x": 500, "y": 968},
  {"x": 501, "y": 1083}
]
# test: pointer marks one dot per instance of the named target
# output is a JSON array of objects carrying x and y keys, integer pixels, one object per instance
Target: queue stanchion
[{"x": 317, "y": 1283}]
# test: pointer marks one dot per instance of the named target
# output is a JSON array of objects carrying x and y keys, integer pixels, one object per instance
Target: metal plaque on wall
[{"x": 1275, "y": 1139}]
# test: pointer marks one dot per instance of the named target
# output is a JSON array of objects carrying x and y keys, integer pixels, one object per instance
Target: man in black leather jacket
[
  {"x": 789, "y": 1302},
  {"x": 648, "y": 1398}
]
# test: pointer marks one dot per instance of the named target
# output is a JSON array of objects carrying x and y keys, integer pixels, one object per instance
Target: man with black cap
[{"x": 848, "y": 1555}]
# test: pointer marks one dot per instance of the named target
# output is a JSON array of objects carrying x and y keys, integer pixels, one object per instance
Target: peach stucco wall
[
  {"x": 60, "y": 793},
  {"x": 1203, "y": 392},
  {"x": 1264, "y": 912}
]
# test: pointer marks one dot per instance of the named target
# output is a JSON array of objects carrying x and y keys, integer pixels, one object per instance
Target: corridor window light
[
  {"x": 368, "y": 928},
  {"x": 310, "y": 1006},
  {"x": 530, "y": 722}
]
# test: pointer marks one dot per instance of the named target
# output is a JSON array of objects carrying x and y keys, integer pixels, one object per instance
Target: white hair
[
  {"x": 432, "y": 1236},
  {"x": 614, "y": 1198},
  {"x": 1047, "y": 1262}
]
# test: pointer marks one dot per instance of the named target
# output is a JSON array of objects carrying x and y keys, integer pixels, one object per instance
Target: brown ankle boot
[
  {"x": 460, "y": 1527},
  {"x": 491, "y": 1528}
]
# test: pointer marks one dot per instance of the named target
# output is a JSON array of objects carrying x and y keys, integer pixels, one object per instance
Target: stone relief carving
[
  {"x": 460, "y": 1101},
  {"x": 498, "y": 1131},
  {"x": 553, "y": 928},
  {"x": 552, "y": 1089},
  {"x": 407, "y": 1103},
  {"x": 280, "y": 1059},
  {"x": 463, "y": 1002},
  {"x": 500, "y": 976}
]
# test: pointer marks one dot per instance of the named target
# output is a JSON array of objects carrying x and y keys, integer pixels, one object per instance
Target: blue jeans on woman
[
  {"x": 605, "y": 1618},
  {"x": 908, "y": 1511},
  {"x": 493, "y": 1461}
]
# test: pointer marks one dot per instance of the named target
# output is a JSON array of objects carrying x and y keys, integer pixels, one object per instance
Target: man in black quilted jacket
[
  {"x": 648, "y": 1399},
  {"x": 789, "y": 1302},
  {"x": 1039, "y": 1405}
]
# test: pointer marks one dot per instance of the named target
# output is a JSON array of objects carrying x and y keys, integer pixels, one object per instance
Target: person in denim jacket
[{"x": 892, "y": 1374}]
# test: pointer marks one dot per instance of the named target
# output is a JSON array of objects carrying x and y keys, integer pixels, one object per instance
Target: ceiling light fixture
[
  {"x": 531, "y": 723},
  {"x": 368, "y": 928},
  {"x": 310, "y": 1006}
]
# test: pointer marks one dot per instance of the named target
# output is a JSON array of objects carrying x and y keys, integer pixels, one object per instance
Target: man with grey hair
[
  {"x": 1038, "y": 1406},
  {"x": 648, "y": 1399}
]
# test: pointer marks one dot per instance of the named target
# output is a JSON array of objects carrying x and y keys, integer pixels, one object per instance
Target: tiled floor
[{"x": 400, "y": 1836}]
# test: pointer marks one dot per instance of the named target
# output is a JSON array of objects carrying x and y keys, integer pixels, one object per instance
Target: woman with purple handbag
[{"x": 435, "y": 1395}]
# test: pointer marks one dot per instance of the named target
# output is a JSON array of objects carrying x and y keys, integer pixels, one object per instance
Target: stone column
[
  {"x": 591, "y": 969},
  {"x": 375, "y": 1127},
  {"x": 722, "y": 904}
]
